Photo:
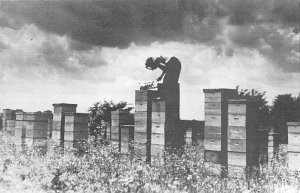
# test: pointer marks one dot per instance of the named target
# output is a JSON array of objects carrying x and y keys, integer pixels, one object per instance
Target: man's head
[{"x": 152, "y": 63}]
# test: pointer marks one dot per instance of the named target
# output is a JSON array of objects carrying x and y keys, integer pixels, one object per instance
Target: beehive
[
  {"x": 58, "y": 123},
  {"x": 142, "y": 122},
  {"x": 243, "y": 135},
  {"x": 118, "y": 119},
  {"x": 8, "y": 121},
  {"x": 76, "y": 130},
  {"x": 31, "y": 129},
  {"x": 215, "y": 130},
  {"x": 196, "y": 128},
  {"x": 127, "y": 137},
  {"x": 294, "y": 145}
]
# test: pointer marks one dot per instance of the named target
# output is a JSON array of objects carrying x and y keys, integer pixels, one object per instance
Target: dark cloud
[
  {"x": 117, "y": 23},
  {"x": 114, "y": 23}
]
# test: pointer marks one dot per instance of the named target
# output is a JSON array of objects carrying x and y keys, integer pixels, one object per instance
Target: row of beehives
[
  {"x": 122, "y": 135},
  {"x": 155, "y": 128},
  {"x": 233, "y": 139},
  {"x": 65, "y": 126}
]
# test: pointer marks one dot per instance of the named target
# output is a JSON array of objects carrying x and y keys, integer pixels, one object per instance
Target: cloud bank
[
  {"x": 75, "y": 49},
  {"x": 270, "y": 27}
]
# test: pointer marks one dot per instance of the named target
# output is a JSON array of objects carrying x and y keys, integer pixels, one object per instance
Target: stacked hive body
[
  {"x": 215, "y": 131},
  {"x": 142, "y": 122},
  {"x": 194, "y": 131},
  {"x": 31, "y": 129},
  {"x": 75, "y": 130},
  {"x": 243, "y": 136},
  {"x": 20, "y": 132},
  {"x": 1, "y": 115},
  {"x": 58, "y": 123},
  {"x": 127, "y": 136},
  {"x": 294, "y": 145},
  {"x": 118, "y": 119},
  {"x": 50, "y": 124},
  {"x": 165, "y": 131},
  {"x": 188, "y": 136},
  {"x": 272, "y": 146},
  {"x": 107, "y": 131},
  {"x": 8, "y": 121},
  {"x": 36, "y": 128}
]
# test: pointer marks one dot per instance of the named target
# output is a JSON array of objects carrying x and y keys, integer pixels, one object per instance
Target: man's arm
[{"x": 161, "y": 76}]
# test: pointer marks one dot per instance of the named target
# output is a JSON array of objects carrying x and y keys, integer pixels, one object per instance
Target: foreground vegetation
[{"x": 103, "y": 169}]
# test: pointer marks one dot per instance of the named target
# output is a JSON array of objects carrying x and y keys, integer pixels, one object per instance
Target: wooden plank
[
  {"x": 294, "y": 138},
  {"x": 158, "y": 116},
  {"x": 212, "y": 130},
  {"x": 76, "y": 127},
  {"x": 212, "y": 144},
  {"x": 294, "y": 147},
  {"x": 141, "y": 105},
  {"x": 294, "y": 161},
  {"x": 144, "y": 95},
  {"x": 212, "y": 96},
  {"x": 158, "y": 127},
  {"x": 213, "y": 120},
  {"x": 56, "y": 134},
  {"x": 236, "y": 120},
  {"x": 212, "y": 136},
  {"x": 237, "y": 108},
  {"x": 140, "y": 127},
  {"x": 56, "y": 125},
  {"x": 237, "y": 145},
  {"x": 158, "y": 106},
  {"x": 141, "y": 116},
  {"x": 213, "y": 108},
  {"x": 236, "y": 132}
]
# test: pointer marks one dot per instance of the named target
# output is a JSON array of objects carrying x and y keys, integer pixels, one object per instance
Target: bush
[{"x": 102, "y": 169}]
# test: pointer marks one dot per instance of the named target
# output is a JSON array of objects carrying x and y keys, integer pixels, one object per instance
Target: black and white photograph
[{"x": 149, "y": 96}]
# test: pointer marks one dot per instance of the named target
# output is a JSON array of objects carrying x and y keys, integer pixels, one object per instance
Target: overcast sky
[{"x": 86, "y": 51}]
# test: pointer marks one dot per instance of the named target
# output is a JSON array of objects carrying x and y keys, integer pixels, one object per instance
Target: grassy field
[{"x": 103, "y": 169}]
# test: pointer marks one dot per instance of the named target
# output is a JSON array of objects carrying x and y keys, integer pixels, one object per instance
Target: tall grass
[{"x": 102, "y": 169}]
